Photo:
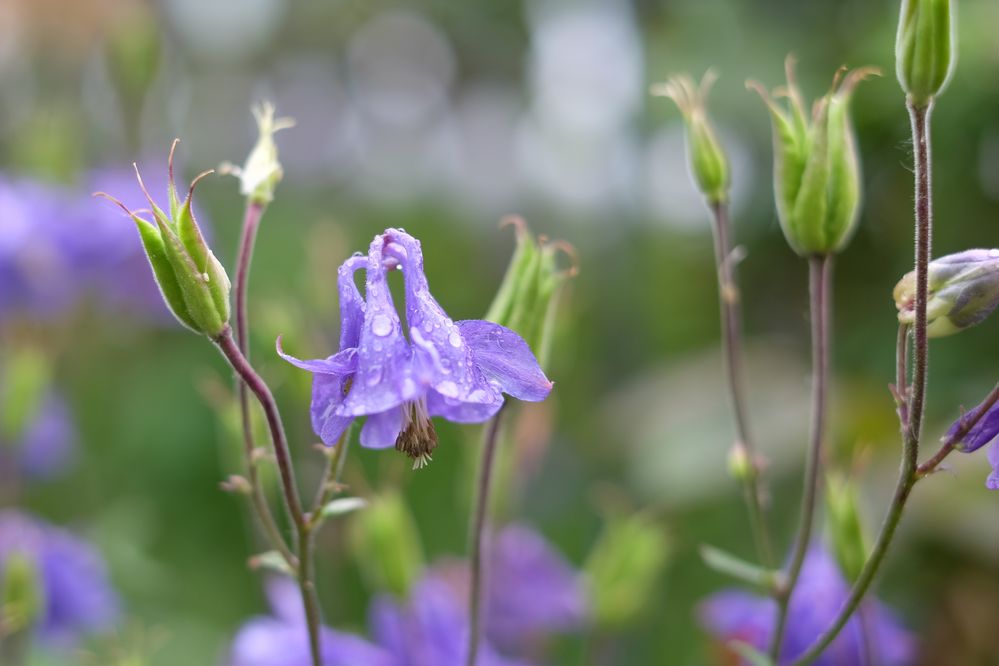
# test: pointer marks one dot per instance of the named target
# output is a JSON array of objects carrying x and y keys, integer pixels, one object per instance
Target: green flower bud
[
  {"x": 21, "y": 595},
  {"x": 23, "y": 383},
  {"x": 193, "y": 282},
  {"x": 816, "y": 170},
  {"x": 925, "y": 48},
  {"x": 528, "y": 297},
  {"x": 962, "y": 290},
  {"x": 622, "y": 569},
  {"x": 387, "y": 545},
  {"x": 845, "y": 528},
  {"x": 708, "y": 163},
  {"x": 262, "y": 172}
]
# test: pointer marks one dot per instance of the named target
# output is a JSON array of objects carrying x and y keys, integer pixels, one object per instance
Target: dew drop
[
  {"x": 447, "y": 388},
  {"x": 454, "y": 338},
  {"x": 381, "y": 325},
  {"x": 427, "y": 326},
  {"x": 375, "y": 375}
]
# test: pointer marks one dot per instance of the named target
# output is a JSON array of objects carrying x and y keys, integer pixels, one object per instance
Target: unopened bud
[
  {"x": 236, "y": 484},
  {"x": 925, "y": 48},
  {"x": 528, "y": 296},
  {"x": 708, "y": 163},
  {"x": 962, "y": 290},
  {"x": 740, "y": 466},
  {"x": 192, "y": 281},
  {"x": 816, "y": 168},
  {"x": 387, "y": 545},
  {"x": 262, "y": 172},
  {"x": 846, "y": 529}
]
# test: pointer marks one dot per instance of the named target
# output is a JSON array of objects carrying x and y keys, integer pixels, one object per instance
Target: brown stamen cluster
[{"x": 418, "y": 438}]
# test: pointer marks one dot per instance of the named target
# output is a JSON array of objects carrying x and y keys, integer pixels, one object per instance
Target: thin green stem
[
  {"x": 476, "y": 536},
  {"x": 820, "y": 286},
  {"x": 912, "y": 428},
  {"x": 728, "y": 297},
  {"x": 330, "y": 481},
  {"x": 248, "y": 234},
  {"x": 227, "y": 345}
]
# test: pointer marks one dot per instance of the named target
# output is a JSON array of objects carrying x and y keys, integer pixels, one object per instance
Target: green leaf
[
  {"x": 342, "y": 506},
  {"x": 271, "y": 560},
  {"x": 747, "y": 572}
]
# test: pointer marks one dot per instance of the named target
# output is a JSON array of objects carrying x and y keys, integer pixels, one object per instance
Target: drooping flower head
[
  {"x": 985, "y": 431},
  {"x": 399, "y": 377},
  {"x": 76, "y": 595},
  {"x": 817, "y": 599},
  {"x": 962, "y": 291},
  {"x": 281, "y": 639}
]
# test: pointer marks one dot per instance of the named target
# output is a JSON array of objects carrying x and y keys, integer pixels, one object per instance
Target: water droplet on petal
[
  {"x": 375, "y": 375},
  {"x": 427, "y": 326},
  {"x": 381, "y": 325},
  {"x": 454, "y": 338},
  {"x": 447, "y": 388}
]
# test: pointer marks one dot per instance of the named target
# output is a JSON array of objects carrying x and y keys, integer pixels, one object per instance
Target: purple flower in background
[
  {"x": 531, "y": 590},
  {"x": 281, "y": 639},
  {"x": 430, "y": 630},
  {"x": 873, "y": 630},
  {"x": 457, "y": 370},
  {"x": 78, "y": 598},
  {"x": 47, "y": 445},
  {"x": 984, "y": 432}
]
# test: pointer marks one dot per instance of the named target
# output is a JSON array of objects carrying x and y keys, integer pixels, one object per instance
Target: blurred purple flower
[
  {"x": 36, "y": 276},
  {"x": 58, "y": 245},
  {"x": 873, "y": 630},
  {"x": 457, "y": 370},
  {"x": 430, "y": 630},
  {"x": 281, "y": 639},
  {"x": 75, "y": 588},
  {"x": 47, "y": 445},
  {"x": 531, "y": 590},
  {"x": 982, "y": 433}
]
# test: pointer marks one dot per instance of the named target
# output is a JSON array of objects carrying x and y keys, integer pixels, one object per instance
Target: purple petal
[
  {"x": 382, "y": 429},
  {"x": 993, "y": 481},
  {"x": 48, "y": 445},
  {"x": 351, "y": 304},
  {"x": 384, "y": 376},
  {"x": 505, "y": 358},
  {"x": 460, "y": 411},
  {"x": 328, "y": 394},
  {"x": 341, "y": 363},
  {"x": 983, "y": 432},
  {"x": 442, "y": 358}
]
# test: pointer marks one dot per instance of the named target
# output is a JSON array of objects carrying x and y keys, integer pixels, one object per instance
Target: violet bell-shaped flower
[
  {"x": 457, "y": 370},
  {"x": 985, "y": 431}
]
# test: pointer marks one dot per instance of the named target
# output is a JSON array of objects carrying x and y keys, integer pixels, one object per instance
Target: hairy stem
[
  {"x": 820, "y": 286},
  {"x": 248, "y": 235},
  {"x": 728, "y": 297},
  {"x": 475, "y": 541},
  {"x": 227, "y": 345},
  {"x": 912, "y": 427}
]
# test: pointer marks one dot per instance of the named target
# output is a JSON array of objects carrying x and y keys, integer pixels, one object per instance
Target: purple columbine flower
[
  {"x": 531, "y": 590},
  {"x": 430, "y": 630},
  {"x": 78, "y": 598},
  {"x": 400, "y": 378},
  {"x": 281, "y": 639},
  {"x": 986, "y": 431},
  {"x": 873, "y": 630},
  {"x": 47, "y": 445}
]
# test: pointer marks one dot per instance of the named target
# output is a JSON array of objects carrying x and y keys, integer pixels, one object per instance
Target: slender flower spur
[
  {"x": 457, "y": 370},
  {"x": 872, "y": 637},
  {"x": 985, "y": 431}
]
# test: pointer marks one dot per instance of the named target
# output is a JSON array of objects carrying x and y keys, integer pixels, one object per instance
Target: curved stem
[
  {"x": 475, "y": 545},
  {"x": 248, "y": 235},
  {"x": 227, "y": 345},
  {"x": 912, "y": 428},
  {"x": 728, "y": 297},
  {"x": 820, "y": 285}
]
